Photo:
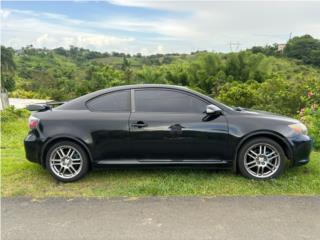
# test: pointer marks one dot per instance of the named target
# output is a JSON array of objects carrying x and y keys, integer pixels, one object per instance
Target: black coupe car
[{"x": 161, "y": 125}]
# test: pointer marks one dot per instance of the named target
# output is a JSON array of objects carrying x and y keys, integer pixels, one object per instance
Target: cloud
[
  {"x": 51, "y": 30},
  {"x": 169, "y": 27},
  {"x": 20, "y": 31},
  {"x": 176, "y": 26},
  {"x": 4, "y": 13},
  {"x": 253, "y": 22},
  {"x": 166, "y": 27}
]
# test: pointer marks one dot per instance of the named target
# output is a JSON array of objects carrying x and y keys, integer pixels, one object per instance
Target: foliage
[
  {"x": 311, "y": 116},
  {"x": 99, "y": 76},
  {"x": 240, "y": 94},
  {"x": 275, "y": 94},
  {"x": 20, "y": 93},
  {"x": 267, "y": 50},
  {"x": 12, "y": 114},
  {"x": 260, "y": 77},
  {"x": 8, "y": 67},
  {"x": 305, "y": 48}
]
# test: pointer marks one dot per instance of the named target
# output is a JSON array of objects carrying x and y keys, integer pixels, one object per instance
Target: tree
[
  {"x": 8, "y": 68},
  {"x": 248, "y": 78},
  {"x": 305, "y": 48},
  {"x": 126, "y": 68},
  {"x": 61, "y": 51},
  {"x": 100, "y": 76},
  {"x": 267, "y": 50}
]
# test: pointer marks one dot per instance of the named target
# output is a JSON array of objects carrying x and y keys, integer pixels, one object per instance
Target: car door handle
[
  {"x": 176, "y": 127},
  {"x": 139, "y": 124}
]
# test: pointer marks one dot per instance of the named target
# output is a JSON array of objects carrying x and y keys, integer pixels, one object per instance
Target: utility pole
[{"x": 236, "y": 46}]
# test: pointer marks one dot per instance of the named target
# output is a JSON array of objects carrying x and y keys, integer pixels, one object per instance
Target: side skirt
[{"x": 205, "y": 163}]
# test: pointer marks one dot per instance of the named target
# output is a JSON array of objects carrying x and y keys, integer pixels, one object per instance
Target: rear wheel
[
  {"x": 67, "y": 161},
  {"x": 261, "y": 158}
]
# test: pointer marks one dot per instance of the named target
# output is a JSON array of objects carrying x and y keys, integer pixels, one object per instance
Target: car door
[
  {"x": 109, "y": 116},
  {"x": 170, "y": 125}
]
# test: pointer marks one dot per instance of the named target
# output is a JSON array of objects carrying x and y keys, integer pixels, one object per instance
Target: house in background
[{"x": 280, "y": 47}]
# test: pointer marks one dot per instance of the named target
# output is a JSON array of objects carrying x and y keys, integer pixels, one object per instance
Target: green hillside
[{"x": 285, "y": 82}]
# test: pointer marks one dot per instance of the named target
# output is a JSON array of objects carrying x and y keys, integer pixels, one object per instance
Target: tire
[
  {"x": 67, "y": 161},
  {"x": 261, "y": 158}
]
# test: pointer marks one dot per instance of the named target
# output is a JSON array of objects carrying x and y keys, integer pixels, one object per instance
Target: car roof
[{"x": 135, "y": 86}]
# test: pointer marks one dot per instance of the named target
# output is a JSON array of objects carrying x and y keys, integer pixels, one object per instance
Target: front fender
[{"x": 283, "y": 141}]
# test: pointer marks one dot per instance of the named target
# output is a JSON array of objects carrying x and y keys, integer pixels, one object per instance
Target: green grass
[{"x": 22, "y": 178}]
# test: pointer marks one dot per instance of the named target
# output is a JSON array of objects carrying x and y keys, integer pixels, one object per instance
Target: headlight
[{"x": 299, "y": 128}]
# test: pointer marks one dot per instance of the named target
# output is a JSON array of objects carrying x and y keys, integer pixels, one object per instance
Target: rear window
[{"x": 111, "y": 102}]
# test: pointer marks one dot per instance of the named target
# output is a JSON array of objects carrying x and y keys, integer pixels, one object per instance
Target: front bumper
[
  {"x": 33, "y": 146},
  {"x": 302, "y": 146}
]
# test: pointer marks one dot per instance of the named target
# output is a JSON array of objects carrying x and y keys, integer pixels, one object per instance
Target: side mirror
[
  {"x": 38, "y": 107},
  {"x": 212, "y": 109}
]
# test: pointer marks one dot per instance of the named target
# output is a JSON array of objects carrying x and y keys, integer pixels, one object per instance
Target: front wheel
[
  {"x": 67, "y": 161},
  {"x": 261, "y": 158}
]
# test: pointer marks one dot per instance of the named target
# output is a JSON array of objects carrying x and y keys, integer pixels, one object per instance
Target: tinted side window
[
  {"x": 111, "y": 102},
  {"x": 154, "y": 100}
]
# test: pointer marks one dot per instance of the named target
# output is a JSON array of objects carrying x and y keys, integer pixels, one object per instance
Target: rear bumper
[
  {"x": 32, "y": 146},
  {"x": 302, "y": 146}
]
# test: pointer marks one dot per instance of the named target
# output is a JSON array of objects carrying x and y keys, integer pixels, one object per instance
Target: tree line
[{"x": 285, "y": 82}]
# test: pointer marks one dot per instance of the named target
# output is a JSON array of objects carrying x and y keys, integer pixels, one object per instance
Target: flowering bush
[{"x": 311, "y": 117}]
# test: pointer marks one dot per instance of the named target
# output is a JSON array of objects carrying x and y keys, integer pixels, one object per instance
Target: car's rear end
[{"x": 34, "y": 140}]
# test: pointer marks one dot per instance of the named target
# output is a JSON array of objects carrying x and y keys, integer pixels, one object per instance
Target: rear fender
[{"x": 62, "y": 137}]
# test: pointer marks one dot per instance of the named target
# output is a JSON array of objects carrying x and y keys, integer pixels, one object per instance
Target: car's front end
[
  {"x": 289, "y": 132},
  {"x": 301, "y": 144}
]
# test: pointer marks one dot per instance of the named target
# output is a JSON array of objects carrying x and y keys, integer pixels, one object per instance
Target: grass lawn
[{"x": 22, "y": 178}]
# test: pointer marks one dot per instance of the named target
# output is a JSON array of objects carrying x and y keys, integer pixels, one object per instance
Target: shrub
[
  {"x": 21, "y": 93},
  {"x": 240, "y": 94},
  {"x": 12, "y": 114},
  {"x": 311, "y": 117}
]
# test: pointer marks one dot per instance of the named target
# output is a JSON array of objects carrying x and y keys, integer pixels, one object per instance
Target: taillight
[{"x": 33, "y": 122}]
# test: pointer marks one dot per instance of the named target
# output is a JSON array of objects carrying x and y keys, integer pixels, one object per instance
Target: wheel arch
[
  {"x": 59, "y": 138},
  {"x": 281, "y": 140}
]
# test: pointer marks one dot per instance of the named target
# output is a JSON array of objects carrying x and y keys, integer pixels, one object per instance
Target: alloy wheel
[
  {"x": 262, "y": 160},
  {"x": 66, "y": 161}
]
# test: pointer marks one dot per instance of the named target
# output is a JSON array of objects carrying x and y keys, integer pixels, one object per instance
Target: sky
[{"x": 150, "y": 27}]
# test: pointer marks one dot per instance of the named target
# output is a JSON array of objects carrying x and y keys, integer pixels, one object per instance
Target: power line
[{"x": 234, "y": 46}]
